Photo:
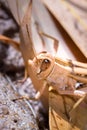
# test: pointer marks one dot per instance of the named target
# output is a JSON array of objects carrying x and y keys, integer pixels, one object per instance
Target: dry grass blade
[
  {"x": 75, "y": 14},
  {"x": 18, "y": 8}
]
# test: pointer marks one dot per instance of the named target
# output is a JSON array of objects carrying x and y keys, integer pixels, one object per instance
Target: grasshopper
[
  {"x": 44, "y": 69},
  {"x": 61, "y": 74}
]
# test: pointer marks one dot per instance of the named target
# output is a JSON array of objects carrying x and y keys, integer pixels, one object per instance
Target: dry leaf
[{"x": 61, "y": 118}]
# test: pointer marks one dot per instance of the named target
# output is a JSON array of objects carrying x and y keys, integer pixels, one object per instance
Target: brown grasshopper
[
  {"x": 61, "y": 74},
  {"x": 45, "y": 69}
]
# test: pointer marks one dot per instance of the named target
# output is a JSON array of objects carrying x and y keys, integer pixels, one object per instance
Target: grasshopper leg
[
  {"x": 54, "y": 39},
  {"x": 48, "y": 36},
  {"x": 77, "y": 103},
  {"x": 25, "y": 77},
  {"x": 78, "y": 93},
  {"x": 10, "y": 42},
  {"x": 83, "y": 95},
  {"x": 37, "y": 95}
]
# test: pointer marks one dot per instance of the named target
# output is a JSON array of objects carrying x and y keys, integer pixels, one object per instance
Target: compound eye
[{"x": 45, "y": 64}]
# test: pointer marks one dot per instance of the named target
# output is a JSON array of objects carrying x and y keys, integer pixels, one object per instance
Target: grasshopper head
[{"x": 42, "y": 65}]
